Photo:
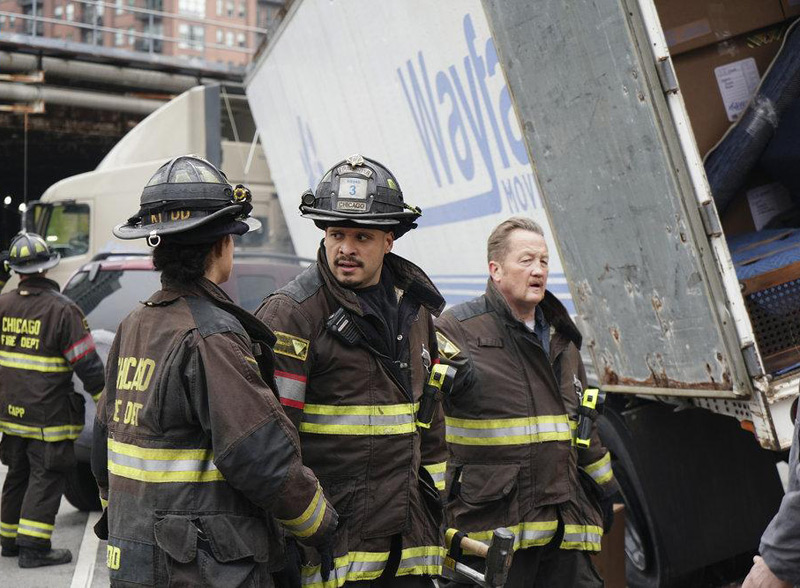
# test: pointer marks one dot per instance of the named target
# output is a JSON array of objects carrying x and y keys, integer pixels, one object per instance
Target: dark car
[{"x": 109, "y": 287}]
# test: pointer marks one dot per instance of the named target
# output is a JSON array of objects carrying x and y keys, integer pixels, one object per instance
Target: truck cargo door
[{"x": 614, "y": 183}]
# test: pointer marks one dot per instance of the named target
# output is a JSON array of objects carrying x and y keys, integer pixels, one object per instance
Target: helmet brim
[
  {"x": 128, "y": 231},
  {"x": 36, "y": 267}
]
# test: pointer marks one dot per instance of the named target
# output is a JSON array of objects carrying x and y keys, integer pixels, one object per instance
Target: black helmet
[
  {"x": 360, "y": 191},
  {"x": 29, "y": 254},
  {"x": 185, "y": 193}
]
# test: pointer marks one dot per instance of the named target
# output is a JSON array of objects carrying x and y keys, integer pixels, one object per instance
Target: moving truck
[{"x": 572, "y": 113}]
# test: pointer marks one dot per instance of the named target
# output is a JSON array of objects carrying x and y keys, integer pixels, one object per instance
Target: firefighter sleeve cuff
[{"x": 316, "y": 522}]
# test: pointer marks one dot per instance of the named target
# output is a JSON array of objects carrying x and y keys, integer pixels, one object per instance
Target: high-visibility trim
[
  {"x": 80, "y": 349},
  {"x": 600, "y": 471},
  {"x": 378, "y": 419},
  {"x": 35, "y": 529},
  {"x": 418, "y": 561},
  {"x": 437, "y": 472},
  {"x": 353, "y": 567},
  {"x": 8, "y": 530},
  {"x": 526, "y": 535},
  {"x": 50, "y": 434},
  {"x": 291, "y": 389},
  {"x": 307, "y": 523},
  {"x": 103, "y": 502},
  {"x": 252, "y": 360},
  {"x": 582, "y": 537},
  {"x": 162, "y": 465},
  {"x": 516, "y": 431},
  {"x": 96, "y": 396},
  {"x": 36, "y": 363}
]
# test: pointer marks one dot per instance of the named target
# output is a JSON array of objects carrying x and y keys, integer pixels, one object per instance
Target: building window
[
  {"x": 191, "y": 36},
  {"x": 229, "y": 39},
  {"x": 58, "y": 12},
  {"x": 219, "y": 7},
  {"x": 229, "y": 7},
  {"x": 241, "y": 39},
  {"x": 119, "y": 38},
  {"x": 220, "y": 36},
  {"x": 242, "y": 8},
  {"x": 131, "y": 36},
  {"x": 192, "y": 7},
  {"x": 118, "y": 4}
]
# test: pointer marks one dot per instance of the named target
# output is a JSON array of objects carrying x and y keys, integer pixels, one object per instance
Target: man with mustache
[
  {"x": 355, "y": 346},
  {"x": 511, "y": 416}
]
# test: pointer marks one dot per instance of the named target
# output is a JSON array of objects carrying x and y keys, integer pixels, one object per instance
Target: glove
[
  {"x": 5, "y": 274},
  {"x": 325, "y": 551},
  {"x": 289, "y": 576},
  {"x": 101, "y": 526},
  {"x": 607, "y": 510}
]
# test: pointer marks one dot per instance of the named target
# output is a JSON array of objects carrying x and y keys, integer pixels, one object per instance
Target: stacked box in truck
[{"x": 571, "y": 113}]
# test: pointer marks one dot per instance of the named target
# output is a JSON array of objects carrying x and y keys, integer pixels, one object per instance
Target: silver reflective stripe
[
  {"x": 162, "y": 465},
  {"x": 374, "y": 420},
  {"x": 32, "y": 362},
  {"x": 339, "y": 574},
  {"x": 601, "y": 473},
  {"x": 543, "y": 536},
  {"x": 313, "y": 519},
  {"x": 531, "y": 429},
  {"x": 438, "y": 478},
  {"x": 79, "y": 349},
  {"x": 291, "y": 388},
  {"x": 582, "y": 537}
]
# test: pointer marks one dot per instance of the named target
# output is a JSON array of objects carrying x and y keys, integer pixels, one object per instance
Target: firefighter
[
  {"x": 198, "y": 466},
  {"x": 5, "y": 274},
  {"x": 355, "y": 345},
  {"x": 44, "y": 339},
  {"x": 511, "y": 415}
]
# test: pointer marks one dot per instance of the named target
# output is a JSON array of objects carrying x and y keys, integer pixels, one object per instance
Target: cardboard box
[
  {"x": 791, "y": 8},
  {"x": 717, "y": 81},
  {"x": 689, "y": 24},
  {"x": 610, "y": 562}
]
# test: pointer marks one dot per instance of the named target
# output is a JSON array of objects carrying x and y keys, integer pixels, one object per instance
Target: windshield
[
  {"x": 66, "y": 228},
  {"x": 112, "y": 295}
]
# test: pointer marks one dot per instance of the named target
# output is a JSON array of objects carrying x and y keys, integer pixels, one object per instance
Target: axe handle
[{"x": 473, "y": 547}]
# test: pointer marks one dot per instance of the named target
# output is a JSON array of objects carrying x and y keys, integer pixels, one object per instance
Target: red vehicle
[{"x": 111, "y": 285}]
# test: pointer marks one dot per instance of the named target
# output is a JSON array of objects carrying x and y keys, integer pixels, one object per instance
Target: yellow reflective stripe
[
  {"x": 379, "y": 419},
  {"x": 103, "y": 502},
  {"x": 525, "y": 534},
  {"x": 38, "y": 358},
  {"x": 425, "y": 560},
  {"x": 251, "y": 359},
  {"x": 353, "y": 567},
  {"x": 307, "y": 523},
  {"x": 50, "y": 434},
  {"x": 437, "y": 472},
  {"x": 515, "y": 431},
  {"x": 582, "y": 537},
  {"x": 601, "y": 471},
  {"x": 362, "y": 409},
  {"x": 25, "y": 361},
  {"x": 34, "y": 529},
  {"x": 8, "y": 530},
  {"x": 162, "y": 465}
]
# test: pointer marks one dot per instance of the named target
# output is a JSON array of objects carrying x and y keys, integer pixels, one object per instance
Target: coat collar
[
  {"x": 407, "y": 277},
  {"x": 40, "y": 283},
  {"x": 554, "y": 313}
]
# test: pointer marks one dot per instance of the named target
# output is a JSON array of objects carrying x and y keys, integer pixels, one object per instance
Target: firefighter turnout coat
[
  {"x": 44, "y": 339},
  {"x": 356, "y": 415},
  {"x": 509, "y": 427},
  {"x": 192, "y": 451}
]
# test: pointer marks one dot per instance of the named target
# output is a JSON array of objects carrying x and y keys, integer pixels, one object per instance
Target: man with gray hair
[{"x": 511, "y": 419}]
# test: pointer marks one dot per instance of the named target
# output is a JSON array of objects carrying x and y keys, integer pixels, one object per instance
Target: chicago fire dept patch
[
  {"x": 446, "y": 347},
  {"x": 291, "y": 346}
]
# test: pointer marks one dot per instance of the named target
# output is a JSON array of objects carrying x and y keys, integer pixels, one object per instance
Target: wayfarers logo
[{"x": 460, "y": 124}]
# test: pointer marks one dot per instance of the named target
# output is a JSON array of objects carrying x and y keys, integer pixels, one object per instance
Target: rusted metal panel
[{"x": 628, "y": 231}]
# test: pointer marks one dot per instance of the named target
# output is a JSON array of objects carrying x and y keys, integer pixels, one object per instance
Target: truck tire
[
  {"x": 81, "y": 488},
  {"x": 698, "y": 490}
]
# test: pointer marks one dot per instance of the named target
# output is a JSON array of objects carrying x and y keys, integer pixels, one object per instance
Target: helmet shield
[
  {"x": 29, "y": 254},
  {"x": 360, "y": 191},
  {"x": 184, "y": 194}
]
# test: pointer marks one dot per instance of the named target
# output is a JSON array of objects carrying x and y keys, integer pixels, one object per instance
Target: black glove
[
  {"x": 607, "y": 510},
  {"x": 289, "y": 576},
  {"x": 101, "y": 526},
  {"x": 325, "y": 550}
]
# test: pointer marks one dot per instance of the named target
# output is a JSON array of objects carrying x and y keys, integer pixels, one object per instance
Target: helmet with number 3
[{"x": 359, "y": 191}]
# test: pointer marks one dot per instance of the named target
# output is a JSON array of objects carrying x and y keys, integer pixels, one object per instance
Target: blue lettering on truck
[{"x": 458, "y": 120}]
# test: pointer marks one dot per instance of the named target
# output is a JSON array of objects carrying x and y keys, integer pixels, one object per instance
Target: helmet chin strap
[{"x": 153, "y": 240}]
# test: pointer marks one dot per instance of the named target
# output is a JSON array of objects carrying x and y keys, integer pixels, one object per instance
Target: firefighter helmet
[
  {"x": 185, "y": 193},
  {"x": 29, "y": 254},
  {"x": 359, "y": 191}
]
